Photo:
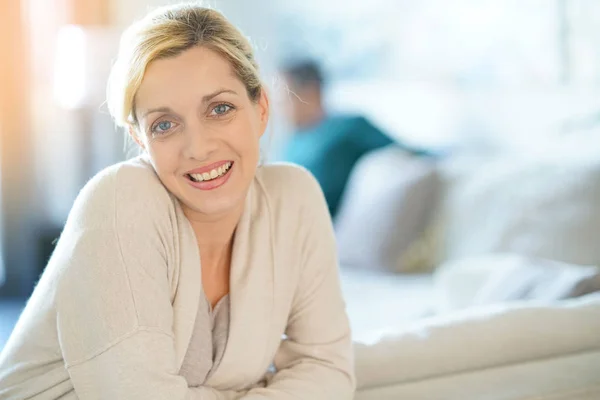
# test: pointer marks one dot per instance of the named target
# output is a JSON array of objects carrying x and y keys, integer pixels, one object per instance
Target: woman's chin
[{"x": 213, "y": 205}]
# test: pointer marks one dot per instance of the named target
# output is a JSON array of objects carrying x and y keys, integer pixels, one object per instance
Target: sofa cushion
[
  {"x": 544, "y": 206},
  {"x": 386, "y": 210}
]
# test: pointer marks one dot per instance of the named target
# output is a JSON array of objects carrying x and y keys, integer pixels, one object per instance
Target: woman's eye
[
  {"x": 162, "y": 126},
  {"x": 221, "y": 109}
]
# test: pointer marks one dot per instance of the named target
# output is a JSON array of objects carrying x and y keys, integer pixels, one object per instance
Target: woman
[{"x": 179, "y": 272}]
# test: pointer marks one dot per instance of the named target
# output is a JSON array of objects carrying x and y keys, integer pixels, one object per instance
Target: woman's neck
[{"x": 215, "y": 237}]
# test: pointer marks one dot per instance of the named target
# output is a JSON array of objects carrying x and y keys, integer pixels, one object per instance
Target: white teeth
[
  {"x": 214, "y": 173},
  {"x": 198, "y": 177}
]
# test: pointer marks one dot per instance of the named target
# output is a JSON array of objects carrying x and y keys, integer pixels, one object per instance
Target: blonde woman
[{"x": 189, "y": 272}]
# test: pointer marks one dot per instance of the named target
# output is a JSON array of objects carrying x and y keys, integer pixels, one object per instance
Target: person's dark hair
[{"x": 303, "y": 73}]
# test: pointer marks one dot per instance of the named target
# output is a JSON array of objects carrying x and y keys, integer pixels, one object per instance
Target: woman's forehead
[{"x": 194, "y": 74}]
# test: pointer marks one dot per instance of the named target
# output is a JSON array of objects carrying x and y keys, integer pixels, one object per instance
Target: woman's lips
[
  {"x": 210, "y": 167},
  {"x": 211, "y": 178}
]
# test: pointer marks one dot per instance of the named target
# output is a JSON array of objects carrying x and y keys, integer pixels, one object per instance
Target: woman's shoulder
[
  {"x": 290, "y": 185},
  {"x": 128, "y": 189}
]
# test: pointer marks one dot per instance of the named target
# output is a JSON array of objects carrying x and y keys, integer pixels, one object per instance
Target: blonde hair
[{"x": 167, "y": 32}]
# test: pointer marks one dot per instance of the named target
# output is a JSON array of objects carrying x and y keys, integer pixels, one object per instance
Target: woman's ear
[
  {"x": 263, "y": 110},
  {"x": 132, "y": 132}
]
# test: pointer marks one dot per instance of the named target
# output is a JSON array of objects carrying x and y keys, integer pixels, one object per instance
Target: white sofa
[
  {"x": 544, "y": 206},
  {"x": 516, "y": 351}
]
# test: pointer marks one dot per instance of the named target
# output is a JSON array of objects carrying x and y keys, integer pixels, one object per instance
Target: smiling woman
[
  {"x": 191, "y": 109},
  {"x": 179, "y": 271}
]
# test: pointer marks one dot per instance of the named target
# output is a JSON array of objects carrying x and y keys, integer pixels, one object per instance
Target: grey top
[{"x": 208, "y": 342}]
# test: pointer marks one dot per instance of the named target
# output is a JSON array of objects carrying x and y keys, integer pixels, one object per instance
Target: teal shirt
[{"x": 330, "y": 149}]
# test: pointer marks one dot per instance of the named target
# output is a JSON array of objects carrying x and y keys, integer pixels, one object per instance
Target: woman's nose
[{"x": 200, "y": 143}]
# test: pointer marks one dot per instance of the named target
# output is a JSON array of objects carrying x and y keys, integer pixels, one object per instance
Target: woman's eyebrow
[
  {"x": 205, "y": 99},
  {"x": 154, "y": 110},
  {"x": 217, "y": 92}
]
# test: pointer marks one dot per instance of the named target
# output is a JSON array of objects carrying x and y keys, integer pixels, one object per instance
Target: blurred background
[{"x": 502, "y": 96}]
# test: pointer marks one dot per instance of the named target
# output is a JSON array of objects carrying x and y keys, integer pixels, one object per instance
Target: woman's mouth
[
  {"x": 210, "y": 179},
  {"x": 213, "y": 174}
]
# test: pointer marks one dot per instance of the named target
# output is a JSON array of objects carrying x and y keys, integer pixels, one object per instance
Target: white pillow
[
  {"x": 501, "y": 278},
  {"x": 546, "y": 207},
  {"x": 387, "y": 206}
]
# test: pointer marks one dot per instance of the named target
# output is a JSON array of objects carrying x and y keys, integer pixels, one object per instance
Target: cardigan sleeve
[
  {"x": 315, "y": 361},
  {"x": 113, "y": 307}
]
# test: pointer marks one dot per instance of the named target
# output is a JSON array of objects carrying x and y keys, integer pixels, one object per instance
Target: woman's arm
[
  {"x": 113, "y": 301},
  {"x": 315, "y": 361}
]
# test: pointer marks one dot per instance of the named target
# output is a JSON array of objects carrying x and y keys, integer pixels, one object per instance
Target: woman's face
[{"x": 201, "y": 130}]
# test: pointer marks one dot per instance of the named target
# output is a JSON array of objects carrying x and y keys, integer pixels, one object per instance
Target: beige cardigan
[{"x": 112, "y": 315}]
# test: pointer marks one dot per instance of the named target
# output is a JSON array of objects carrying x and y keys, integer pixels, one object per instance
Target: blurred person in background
[
  {"x": 328, "y": 145},
  {"x": 179, "y": 271}
]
